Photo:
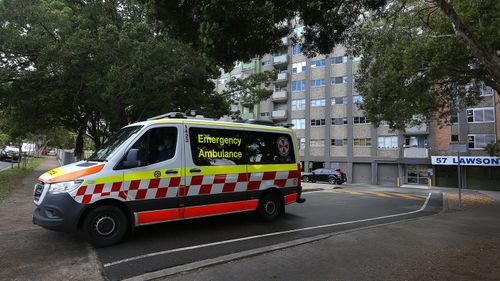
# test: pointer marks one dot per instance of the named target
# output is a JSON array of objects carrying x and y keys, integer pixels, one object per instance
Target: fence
[{"x": 65, "y": 156}]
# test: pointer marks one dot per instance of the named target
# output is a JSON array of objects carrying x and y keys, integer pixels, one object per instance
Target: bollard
[
  {"x": 398, "y": 183},
  {"x": 430, "y": 183}
]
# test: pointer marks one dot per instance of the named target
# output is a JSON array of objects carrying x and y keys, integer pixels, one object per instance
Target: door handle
[
  {"x": 171, "y": 172},
  {"x": 195, "y": 170}
]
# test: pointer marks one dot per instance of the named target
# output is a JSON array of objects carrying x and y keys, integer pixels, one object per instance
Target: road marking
[
  {"x": 380, "y": 194},
  {"x": 406, "y": 196},
  {"x": 263, "y": 235}
]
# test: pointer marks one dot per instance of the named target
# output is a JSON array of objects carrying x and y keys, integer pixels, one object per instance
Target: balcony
[
  {"x": 417, "y": 130},
  {"x": 278, "y": 114},
  {"x": 282, "y": 78},
  {"x": 416, "y": 152},
  {"x": 280, "y": 60},
  {"x": 279, "y": 96}
]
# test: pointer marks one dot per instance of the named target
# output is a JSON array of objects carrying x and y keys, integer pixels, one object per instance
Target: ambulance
[{"x": 167, "y": 169}]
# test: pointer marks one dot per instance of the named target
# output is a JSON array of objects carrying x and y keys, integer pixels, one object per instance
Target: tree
[
  {"x": 417, "y": 55},
  {"x": 95, "y": 66},
  {"x": 415, "y": 62},
  {"x": 250, "y": 90},
  {"x": 493, "y": 149},
  {"x": 226, "y": 31}
]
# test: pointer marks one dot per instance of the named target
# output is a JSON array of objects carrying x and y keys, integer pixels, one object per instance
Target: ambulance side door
[
  {"x": 215, "y": 183},
  {"x": 152, "y": 184}
]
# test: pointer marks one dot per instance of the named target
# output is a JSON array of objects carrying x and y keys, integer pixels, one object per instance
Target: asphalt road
[
  {"x": 4, "y": 165},
  {"x": 157, "y": 247}
]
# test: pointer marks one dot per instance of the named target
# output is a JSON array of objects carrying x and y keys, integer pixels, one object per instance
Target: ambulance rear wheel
[
  {"x": 104, "y": 226},
  {"x": 270, "y": 207}
]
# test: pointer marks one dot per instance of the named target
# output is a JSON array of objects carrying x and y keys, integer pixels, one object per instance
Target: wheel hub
[
  {"x": 105, "y": 225},
  {"x": 270, "y": 207}
]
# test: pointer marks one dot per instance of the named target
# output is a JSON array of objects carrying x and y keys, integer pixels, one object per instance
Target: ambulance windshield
[{"x": 113, "y": 143}]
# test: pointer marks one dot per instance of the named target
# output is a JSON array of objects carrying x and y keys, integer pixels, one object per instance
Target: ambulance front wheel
[
  {"x": 104, "y": 226},
  {"x": 270, "y": 207}
]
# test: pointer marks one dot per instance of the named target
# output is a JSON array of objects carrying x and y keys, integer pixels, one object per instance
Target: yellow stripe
[
  {"x": 151, "y": 174},
  {"x": 379, "y": 194},
  {"x": 214, "y": 170},
  {"x": 406, "y": 196},
  {"x": 352, "y": 192},
  {"x": 271, "y": 167},
  {"x": 107, "y": 179}
]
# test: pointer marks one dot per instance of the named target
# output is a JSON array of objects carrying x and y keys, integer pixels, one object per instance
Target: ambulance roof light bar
[{"x": 169, "y": 115}]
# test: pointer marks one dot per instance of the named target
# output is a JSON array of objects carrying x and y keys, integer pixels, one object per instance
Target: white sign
[{"x": 466, "y": 160}]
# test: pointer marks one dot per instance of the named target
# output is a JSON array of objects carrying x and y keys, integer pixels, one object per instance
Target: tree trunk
[
  {"x": 484, "y": 53},
  {"x": 79, "y": 145}
]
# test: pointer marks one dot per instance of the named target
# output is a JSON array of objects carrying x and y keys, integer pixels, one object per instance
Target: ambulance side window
[
  {"x": 156, "y": 145},
  {"x": 216, "y": 147},
  {"x": 269, "y": 148}
]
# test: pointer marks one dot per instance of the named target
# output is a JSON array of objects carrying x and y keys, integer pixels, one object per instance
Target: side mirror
[{"x": 132, "y": 159}]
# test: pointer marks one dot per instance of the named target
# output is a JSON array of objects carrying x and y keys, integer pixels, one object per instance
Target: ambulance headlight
[{"x": 64, "y": 186}]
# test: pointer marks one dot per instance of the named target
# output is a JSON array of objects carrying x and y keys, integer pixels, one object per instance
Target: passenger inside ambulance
[{"x": 156, "y": 145}]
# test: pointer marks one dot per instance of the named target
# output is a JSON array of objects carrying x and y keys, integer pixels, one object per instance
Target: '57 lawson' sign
[{"x": 466, "y": 160}]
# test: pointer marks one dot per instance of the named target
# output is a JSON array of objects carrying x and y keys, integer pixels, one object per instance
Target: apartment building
[{"x": 317, "y": 96}]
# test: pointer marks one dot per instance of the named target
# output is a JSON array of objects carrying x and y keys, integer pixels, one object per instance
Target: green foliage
[
  {"x": 414, "y": 65},
  {"x": 226, "y": 31},
  {"x": 93, "y": 67},
  {"x": 250, "y": 90},
  {"x": 493, "y": 149}
]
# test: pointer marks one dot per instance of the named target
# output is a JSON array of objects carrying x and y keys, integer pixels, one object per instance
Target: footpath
[{"x": 29, "y": 252}]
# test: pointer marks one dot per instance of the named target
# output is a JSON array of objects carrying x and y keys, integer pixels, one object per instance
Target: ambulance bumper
[{"x": 58, "y": 212}]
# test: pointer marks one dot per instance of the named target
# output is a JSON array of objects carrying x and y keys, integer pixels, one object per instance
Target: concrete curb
[
  {"x": 4, "y": 169},
  {"x": 254, "y": 252}
]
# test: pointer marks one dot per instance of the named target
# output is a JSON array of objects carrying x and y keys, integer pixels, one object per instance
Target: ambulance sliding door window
[
  {"x": 270, "y": 148},
  {"x": 216, "y": 147},
  {"x": 156, "y": 145}
]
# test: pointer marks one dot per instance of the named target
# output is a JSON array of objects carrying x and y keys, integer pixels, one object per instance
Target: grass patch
[{"x": 11, "y": 178}]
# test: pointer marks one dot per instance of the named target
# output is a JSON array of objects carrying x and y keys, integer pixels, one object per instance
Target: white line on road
[{"x": 263, "y": 235}]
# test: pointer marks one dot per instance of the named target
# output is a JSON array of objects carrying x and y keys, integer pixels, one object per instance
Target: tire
[
  {"x": 105, "y": 225},
  {"x": 340, "y": 182},
  {"x": 270, "y": 207},
  {"x": 332, "y": 180},
  {"x": 305, "y": 179}
]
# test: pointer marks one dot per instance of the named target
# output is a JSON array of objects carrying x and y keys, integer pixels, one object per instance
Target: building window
[
  {"x": 480, "y": 115},
  {"x": 486, "y": 91},
  {"x": 358, "y": 58},
  {"x": 454, "y": 138},
  {"x": 339, "y": 80},
  {"x": 318, "y": 63},
  {"x": 317, "y": 122},
  {"x": 339, "y": 121},
  {"x": 298, "y": 86},
  {"x": 339, "y": 100},
  {"x": 363, "y": 142},
  {"x": 264, "y": 114},
  {"x": 299, "y": 104},
  {"x": 318, "y": 103},
  {"x": 454, "y": 117},
  {"x": 267, "y": 62},
  {"x": 299, "y": 123},
  {"x": 360, "y": 120},
  {"x": 388, "y": 142},
  {"x": 297, "y": 49},
  {"x": 357, "y": 99},
  {"x": 479, "y": 141},
  {"x": 318, "y": 83},
  {"x": 299, "y": 67},
  {"x": 338, "y": 60},
  {"x": 338, "y": 142},
  {"x": 317, "y": 143},
  {"x": 302, "y": 143}
]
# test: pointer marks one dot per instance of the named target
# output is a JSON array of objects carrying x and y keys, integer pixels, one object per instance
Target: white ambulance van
[{"x": 171, "y": 169}]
